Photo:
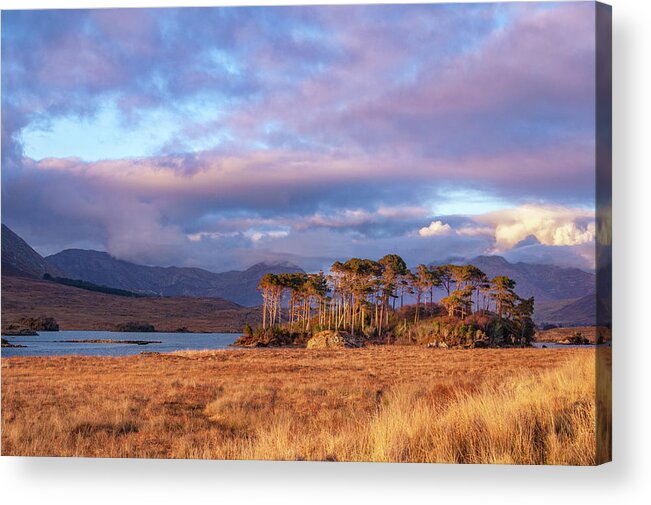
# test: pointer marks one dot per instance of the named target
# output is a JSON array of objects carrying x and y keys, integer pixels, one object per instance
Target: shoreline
[{"x": 200, "y": 354}]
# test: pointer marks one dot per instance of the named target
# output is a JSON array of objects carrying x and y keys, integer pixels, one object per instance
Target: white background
[{"x": 626, "y": 480}]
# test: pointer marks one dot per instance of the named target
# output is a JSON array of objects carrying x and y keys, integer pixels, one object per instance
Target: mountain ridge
[
  {"x": 553, "y": 287},
  {"x": 98, "y": 267},
  {"x": 540, "y": 280},
  {"x": 583, "y": 311},
  {"x": 20, "y": 259}
]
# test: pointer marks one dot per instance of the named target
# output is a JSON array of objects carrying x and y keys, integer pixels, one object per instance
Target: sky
[{"x": 221, "y": 137}]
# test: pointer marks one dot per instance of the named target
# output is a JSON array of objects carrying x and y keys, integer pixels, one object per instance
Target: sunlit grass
[{"x": 378, "y": 404}]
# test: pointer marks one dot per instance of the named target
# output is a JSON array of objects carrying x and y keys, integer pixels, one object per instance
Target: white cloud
[
  {"x": 551, "y": 225},
  {"x": 257, "y": 236},
  {"x": 352, "y": 217},
  {"x": 435, "y": 228},
  {"x": 475, "y": 231}
]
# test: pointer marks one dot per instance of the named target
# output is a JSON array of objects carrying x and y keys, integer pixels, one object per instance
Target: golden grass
[{"x": 376, "y": 404}]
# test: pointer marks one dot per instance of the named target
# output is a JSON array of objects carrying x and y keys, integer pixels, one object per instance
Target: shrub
[
  {"x": 133, "y": 326},
  {"x": 272, "y": 337},
  {"x": 39, "y": 323}
]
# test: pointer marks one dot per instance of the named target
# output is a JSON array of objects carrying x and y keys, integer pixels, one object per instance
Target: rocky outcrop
[{"x": 334, "y": 339}]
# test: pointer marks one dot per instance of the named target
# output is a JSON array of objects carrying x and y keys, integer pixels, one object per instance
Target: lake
[{"x": 49, "y": 343}]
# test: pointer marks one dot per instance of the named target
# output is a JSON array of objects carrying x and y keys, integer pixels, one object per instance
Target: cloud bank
[
  {"x": 217, "y": 137},
  {"x": 531, "y": 231}
]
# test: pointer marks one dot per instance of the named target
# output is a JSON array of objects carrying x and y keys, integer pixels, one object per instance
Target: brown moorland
[
  {"x": 80, "y": 309},
  {"x": 385, "y": 403}
]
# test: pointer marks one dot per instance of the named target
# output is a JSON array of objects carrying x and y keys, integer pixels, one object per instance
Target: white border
[{"x": 626, "y": 480}]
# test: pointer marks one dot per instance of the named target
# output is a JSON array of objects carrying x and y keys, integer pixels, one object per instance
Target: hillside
[
  {"x": 76, "y": 309},
  {"x": 103, "y": 269},
  {"x": 574, "y": 312},
  {"x": 562, "y": 295},
  {"x": 544, "y": 282},
  {"x": 18, "y": 258}
]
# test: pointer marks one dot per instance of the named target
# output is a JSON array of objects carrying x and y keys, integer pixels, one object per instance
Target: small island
[{"x": 362, "y": 302}]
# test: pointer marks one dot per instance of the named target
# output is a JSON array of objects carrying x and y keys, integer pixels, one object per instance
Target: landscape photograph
[{"x": 352, "y": 233}]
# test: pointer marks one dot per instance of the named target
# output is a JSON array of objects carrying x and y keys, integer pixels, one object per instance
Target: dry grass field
[{"x": 388, "y": 403}]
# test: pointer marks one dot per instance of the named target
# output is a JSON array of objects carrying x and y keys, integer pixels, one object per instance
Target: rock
[
  {"x": 334, "y": 339},
  {"x": 443, "y": 345}
]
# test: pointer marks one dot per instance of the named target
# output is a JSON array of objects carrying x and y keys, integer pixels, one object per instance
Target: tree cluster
[{"x": 362, "y": 295}]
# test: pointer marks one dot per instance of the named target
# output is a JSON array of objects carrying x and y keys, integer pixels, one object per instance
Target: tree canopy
[{"x": 363, "y": 295}]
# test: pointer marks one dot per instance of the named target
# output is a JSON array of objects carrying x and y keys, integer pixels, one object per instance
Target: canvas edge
[{"x": 603, "y": 241}]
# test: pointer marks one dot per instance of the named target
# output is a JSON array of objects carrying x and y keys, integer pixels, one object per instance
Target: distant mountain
[
  {"x": 103, "y": 269},
  {"x": 562, "y": 295},
  {"x": 18, "y": 258},
  {"x": 544, "y": 282},
  {"x": 576, "y": 312}
]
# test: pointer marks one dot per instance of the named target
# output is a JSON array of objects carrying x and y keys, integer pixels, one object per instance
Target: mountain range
[
  {"x": 103, "y": 269},
  {"x": 543, "y": 282},
  {"x": 581, "y": 311},
  {"x": 563, "y": 295},
  {"x": 240, "y": 287}
]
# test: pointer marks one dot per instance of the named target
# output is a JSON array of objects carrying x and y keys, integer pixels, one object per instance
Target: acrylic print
[{"x": 334, "y": 233}]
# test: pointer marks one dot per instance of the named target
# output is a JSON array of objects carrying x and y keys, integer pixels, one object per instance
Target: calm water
[{"x": 48, "y": 343}]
